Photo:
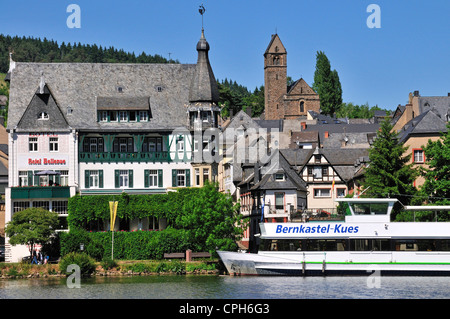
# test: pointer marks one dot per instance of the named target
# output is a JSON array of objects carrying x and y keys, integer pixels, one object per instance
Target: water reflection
[{"x": 226, "y": 287}]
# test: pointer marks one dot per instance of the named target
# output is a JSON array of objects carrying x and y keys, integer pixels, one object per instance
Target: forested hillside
[{"x": 28, "y": 49}]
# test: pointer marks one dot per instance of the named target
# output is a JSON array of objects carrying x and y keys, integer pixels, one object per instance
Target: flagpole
[{"x": 113, "y": 212}]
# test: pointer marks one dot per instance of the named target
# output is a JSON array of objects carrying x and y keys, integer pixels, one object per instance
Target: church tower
[{"x": 275, "y": 78}]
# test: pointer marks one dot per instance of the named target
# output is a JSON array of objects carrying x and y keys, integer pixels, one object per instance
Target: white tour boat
[{"x": 367, "y": 241}]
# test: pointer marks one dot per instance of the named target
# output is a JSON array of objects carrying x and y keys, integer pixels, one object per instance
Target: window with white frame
[
  {"x": 205, "y": 175},
  {"x": 153, "y": 178},
  {"x": 33, "y": 144},
  {"x": 322, "y": 192},
  {"x": 279, "y": 200},
  {"x": 53, "y": 144},
  {"x": 43, "y": 180},
  {"x": 42, "y": 204},
  {"x": 122, "y": 145},
  {"x": 113, "y": 116},
  {"x": 93, "y": 178},
  {"x": 19, "y": 206},
  {"x": 123, "y": 116},
  {"x": 123, "y": 178},
  {"x": 104, "y": 116},
  {"x": 93, "y": 145},
  {"x": 180, "y": 145},
  {"x": 197, "y": 177},
  {"x": 181, "y": 177},
  {"x": 418, "y": 156},
  {"x": 23, "y": 178},
  {"x": 43, "y": 116},
  {"x": 143, "y": 116},
  {"x": 59, "y": 206},
  {"x": 64, "y": 178},
  {"x": 132, "y": 116}
]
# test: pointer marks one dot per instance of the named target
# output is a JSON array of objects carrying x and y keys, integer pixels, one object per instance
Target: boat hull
[{"x": 334, "y": 263}]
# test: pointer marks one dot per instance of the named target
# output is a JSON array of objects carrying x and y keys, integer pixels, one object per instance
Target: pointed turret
[
  {"x": 203, "y": 86},
  {"x": 203, "y": 107}
]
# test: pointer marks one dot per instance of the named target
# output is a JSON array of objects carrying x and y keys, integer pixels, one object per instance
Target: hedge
[{"x": 136, "y": 245}]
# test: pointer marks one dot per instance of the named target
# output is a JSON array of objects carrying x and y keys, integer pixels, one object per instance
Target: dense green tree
[
  {"x": 327, "y": 85},
  {"x": 388, "y": 173},
  {"x": 32, "y": 226},
  {"x": 212, "y": 219},
  {"x": 436, "y": 187},
  {"x": 354, "y": 111}
]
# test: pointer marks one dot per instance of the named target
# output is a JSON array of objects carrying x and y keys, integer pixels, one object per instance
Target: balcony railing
[
  {"x": 40, "y": 192},
  {"x": 124, "y": 157}
]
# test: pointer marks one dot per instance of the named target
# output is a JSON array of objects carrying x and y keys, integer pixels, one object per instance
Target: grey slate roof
[
  {"x": 429, "y": 123},
  {"x": 203, "y": 85},
  {"x": 43, "y": 102},
  {"x": 78, "y": 85}
]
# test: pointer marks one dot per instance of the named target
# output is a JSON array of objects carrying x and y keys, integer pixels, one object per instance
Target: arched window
[
  {"x": 302, "y": 107},
  {"x": 276, "y": 60},
  {"x": 43, "y": 116}
]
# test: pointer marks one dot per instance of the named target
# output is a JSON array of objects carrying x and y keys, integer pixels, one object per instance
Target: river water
[{"x": 191, "y": 287}]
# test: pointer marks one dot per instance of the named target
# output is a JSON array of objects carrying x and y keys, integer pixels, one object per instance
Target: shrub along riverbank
[{"x": 113, "y": 268}]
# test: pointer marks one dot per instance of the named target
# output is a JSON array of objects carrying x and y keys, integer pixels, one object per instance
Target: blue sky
[{"x": 379, "y": 66}]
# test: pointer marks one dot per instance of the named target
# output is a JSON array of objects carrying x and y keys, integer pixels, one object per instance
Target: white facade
[{"x": 29, "y": 154}]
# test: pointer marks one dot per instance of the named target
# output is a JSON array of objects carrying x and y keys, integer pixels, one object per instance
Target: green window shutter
[
  {"x": 160, "y": 178},
  {"x": 36, "y": 179},
  {"x": 174, "y": 178},
  {"x": 30, "y": 178},
  {"x": 188, "y": 178},
  {"x": 58, "y": 178},
  {"x": 100, "y": 178},
  {"x": 130, "y": 178},
  {"x": 86, "y": 179},
  {"x": 116, "y": 178},
  {"x": 146, "y": 174}
]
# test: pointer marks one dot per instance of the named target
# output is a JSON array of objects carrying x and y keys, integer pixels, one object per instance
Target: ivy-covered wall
[
  {"x": 91, "y": 209},
  {"x": 200, "y": 219}
]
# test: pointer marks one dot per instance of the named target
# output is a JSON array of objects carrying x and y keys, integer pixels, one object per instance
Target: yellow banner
[{"x": 113, "y": 213}]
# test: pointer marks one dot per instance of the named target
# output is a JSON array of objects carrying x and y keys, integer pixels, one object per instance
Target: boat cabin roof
[{"x": 368, "y": 209}]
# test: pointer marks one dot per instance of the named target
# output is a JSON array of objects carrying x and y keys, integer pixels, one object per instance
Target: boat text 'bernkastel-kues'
[{"x": 365, "y": 242}]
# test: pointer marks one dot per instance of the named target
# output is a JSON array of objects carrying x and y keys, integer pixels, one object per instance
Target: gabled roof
[
  {"x": 292, "y": 179},
  {"x": 300, "y": 87},
  {"x": 43, "y": 113},
  {"x": 275, "y": 41},
  {"x": 428, "y": 123}
]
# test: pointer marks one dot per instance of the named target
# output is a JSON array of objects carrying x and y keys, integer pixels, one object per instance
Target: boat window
[
  {"x": 363, "y": 244},
  {"x": 370, "y": 208}
]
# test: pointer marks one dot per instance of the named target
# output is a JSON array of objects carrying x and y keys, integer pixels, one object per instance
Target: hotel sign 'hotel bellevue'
[{"x": 94, "y": 128}]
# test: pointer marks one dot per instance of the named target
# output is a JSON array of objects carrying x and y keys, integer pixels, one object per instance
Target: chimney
[
  {"x": 416, "y": 93},
  {"x": 448, "y": 94},
  {"x": 248, "y": 110},
  {"x": 303, "y": 125},
  {"x": 231, "y": 113},
  {"x": 326, "y": 134}
]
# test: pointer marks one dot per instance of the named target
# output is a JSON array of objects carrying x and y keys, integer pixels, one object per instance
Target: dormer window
[
  {"x": 43, "y": 116},
  {"x": 279, "y": 177}
]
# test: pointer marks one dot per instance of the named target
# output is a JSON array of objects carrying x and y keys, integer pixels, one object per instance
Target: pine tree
[
  {"x": 388, "y": 174},
  {"x": 437, "y": 182},
  {"x": 327, "y": 85}
]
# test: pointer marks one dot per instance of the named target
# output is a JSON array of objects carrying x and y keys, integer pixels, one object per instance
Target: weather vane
[{"x": 202, "y": 12}]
